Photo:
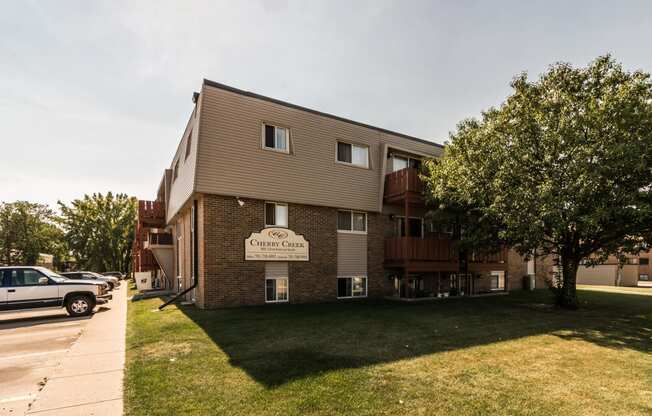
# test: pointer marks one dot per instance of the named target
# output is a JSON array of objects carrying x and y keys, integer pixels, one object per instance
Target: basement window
[
  {"x": 351, "y": 287},
  {"x": 276, "y": 138},
  {"x": 276, "y": 289},
  {"x": 498, "y": 280}
]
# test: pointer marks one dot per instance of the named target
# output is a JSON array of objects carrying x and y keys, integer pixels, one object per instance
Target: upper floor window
[
  {"x": 351, "y": 221},
  {"x": 403, "y": 162},
  {"x": 188, "y": 144},
  {"x": 276, "y": 215},
  {"x": 175, "y": 171},
  {"x": 276, "y": 138},
  {"x": 643, "y": 261},
  {"x": 353, "y": 154}
]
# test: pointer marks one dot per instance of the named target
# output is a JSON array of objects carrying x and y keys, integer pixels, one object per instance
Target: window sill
[
  {"x": 276, "y": 301},
  {"x": 352, "y": 165},
  {"x": 351, "y": 297},
  {"x": 272, "y": 149},
  {"x": 352, "y": 232}
]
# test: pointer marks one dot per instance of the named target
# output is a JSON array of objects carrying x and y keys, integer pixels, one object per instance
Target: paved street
[{"x": 53, "y": 364}]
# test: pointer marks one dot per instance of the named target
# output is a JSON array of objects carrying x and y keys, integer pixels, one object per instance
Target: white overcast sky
[{"x": 94, "y": 95}]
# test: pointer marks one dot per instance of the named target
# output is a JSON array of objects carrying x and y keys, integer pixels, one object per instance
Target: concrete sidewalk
[{"x": 89, "y": 379}]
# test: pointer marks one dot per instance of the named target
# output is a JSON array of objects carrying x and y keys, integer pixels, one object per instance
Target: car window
[
  {"x": 88, "y": 276},
  {"x": 24, "y": 277}
]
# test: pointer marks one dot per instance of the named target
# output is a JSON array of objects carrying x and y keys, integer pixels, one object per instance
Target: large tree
[
  {"x": 99, "y": 230},
  {"x": 26, "y": 230},
  {"x": 562, "y": 168}
]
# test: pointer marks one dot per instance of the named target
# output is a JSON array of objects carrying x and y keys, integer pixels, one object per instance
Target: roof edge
[{"x": 316, "y": 112}]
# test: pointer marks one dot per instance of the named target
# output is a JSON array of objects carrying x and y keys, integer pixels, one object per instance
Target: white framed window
[
  {"x": 400, "y": 162},
  {"x": 497, "y": 280},
  {"x": 276, "y": 289},
  {"x": 353, "y": 154},
  {"x": 175, "y": 170},
  {"x": 644, "y": 277},
  {"x": 276, "y": 138},
  {"x": 188, "y": 144},
  {"x": 351, "y": 287},
  {"x": 276, "y": 215},
  {"x": 351, "y": 222}
]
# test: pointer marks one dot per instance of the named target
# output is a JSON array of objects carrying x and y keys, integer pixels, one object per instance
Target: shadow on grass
[{"x": 279, "y": 344}]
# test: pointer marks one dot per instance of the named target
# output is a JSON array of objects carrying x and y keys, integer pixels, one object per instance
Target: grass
[{"x": 511, "y": 355}]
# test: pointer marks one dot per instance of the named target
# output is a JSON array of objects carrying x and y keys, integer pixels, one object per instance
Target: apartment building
[
  {"x": 267, "y": 202},
  {"x": 636, "y": 271}
]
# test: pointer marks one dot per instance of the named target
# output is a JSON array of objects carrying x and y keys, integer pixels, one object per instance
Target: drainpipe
[{"x": 195, "y": 256}]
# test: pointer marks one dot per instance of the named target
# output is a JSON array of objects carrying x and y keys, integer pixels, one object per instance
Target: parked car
[
  {"x": 84, "y": 275},
  {"x": 114, "y": 274},
  {"x": 24, "y": 287}
]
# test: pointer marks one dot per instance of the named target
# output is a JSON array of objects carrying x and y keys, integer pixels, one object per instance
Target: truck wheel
[{"x": 80, "y": 305}]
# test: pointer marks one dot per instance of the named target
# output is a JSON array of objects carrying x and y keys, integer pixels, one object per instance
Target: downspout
[{"x": 195, "y": 256}]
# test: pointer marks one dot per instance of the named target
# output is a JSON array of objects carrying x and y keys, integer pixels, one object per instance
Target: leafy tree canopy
[
  {"x": 26, "y": 230},
  {"x": 563, "y": 167},
  {"x": 99, "y": 230}
]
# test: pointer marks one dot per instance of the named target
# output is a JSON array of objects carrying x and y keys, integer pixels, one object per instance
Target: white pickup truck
[{"x": 26, "y": 287}]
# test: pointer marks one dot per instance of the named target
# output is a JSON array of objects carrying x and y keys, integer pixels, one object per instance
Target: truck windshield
[{"x": 52, "y": 275}]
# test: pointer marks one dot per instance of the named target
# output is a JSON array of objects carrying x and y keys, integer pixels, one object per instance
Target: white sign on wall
[{"x": 276, "y": 244}]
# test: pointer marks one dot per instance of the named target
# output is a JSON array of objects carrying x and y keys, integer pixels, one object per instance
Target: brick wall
[
  {"x": 227, "y": 280},
  {"x": 377, "y": 284},
  {"x": 516, "y": 269},
  {"x": 314, "y": 280}
]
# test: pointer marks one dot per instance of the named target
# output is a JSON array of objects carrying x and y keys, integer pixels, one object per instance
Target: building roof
[{"x": 309, "y": 110}]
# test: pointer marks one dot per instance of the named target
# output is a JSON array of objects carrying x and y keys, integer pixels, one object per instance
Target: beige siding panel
[
  {"x": 351, "y": 254},
  {"x": 275, "y": 269},
  {"x": 232, "y": 161},
  {"x": 182, "y": 187},
  {"x": 630, "y": 275},
  {"x": 598, "y": 275}
]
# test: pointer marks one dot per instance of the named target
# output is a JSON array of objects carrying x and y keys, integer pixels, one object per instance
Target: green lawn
[{"x": 512, "y": 355}]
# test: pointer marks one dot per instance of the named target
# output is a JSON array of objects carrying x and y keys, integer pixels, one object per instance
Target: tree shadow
[{"x": 280, "y": 343}]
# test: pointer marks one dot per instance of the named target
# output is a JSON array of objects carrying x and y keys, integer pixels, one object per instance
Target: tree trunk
[{"x": 567, "y": 295}]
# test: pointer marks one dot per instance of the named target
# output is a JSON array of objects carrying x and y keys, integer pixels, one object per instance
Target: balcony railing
[
  {"x": 420, "y": 249},
  {"x": 403, "y": 181},
  {"x": 151, "y": 212},
  {"x": 497, "y": 257}
]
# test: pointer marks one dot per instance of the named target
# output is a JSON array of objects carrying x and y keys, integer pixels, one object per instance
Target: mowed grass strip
[{"x": 511, "y": 355}]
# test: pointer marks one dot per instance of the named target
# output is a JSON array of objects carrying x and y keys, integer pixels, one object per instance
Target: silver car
[{"x": 112, "y": 281}]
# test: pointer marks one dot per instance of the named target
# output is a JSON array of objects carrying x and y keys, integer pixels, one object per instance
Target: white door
[{"x": 25, "y": 291}]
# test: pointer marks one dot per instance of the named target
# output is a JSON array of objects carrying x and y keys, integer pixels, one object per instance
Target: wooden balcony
[
  {"x": 151, "y": 213},
  {"x": 425, "y": 254},
  {"x": 403, "y": 184},
  {"x": 437, "y": 254},
  {"x": 488, "y": 261}
]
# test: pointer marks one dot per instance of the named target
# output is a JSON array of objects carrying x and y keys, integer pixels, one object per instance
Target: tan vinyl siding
[
  {"x": 232, "y": 161},
  {"x": 182, "y": 187},
  {"x": 351, "y": 254},
  {"x": 275, "y": 269},
  {"x": 598, "y": 275}
]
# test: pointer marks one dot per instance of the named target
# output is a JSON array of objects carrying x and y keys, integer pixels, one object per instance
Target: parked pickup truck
[{"x": 24, "y": 287}]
